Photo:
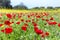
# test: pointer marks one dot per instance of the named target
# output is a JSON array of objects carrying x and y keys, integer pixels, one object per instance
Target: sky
[{"x": 37, "y": 3}]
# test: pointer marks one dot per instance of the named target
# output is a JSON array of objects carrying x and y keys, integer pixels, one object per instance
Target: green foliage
[
  {"x": 20, "y": 7},
  {"x": 50, "y": 8}
]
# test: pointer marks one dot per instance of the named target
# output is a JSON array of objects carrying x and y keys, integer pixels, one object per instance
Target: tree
[
  {"x": 5, "y": 4},
  {"x": 50, "y": 8},
  {"x": 57, "y": 7},
  {"x": 35, "y": 8},
  {"x": 42, "y": 7},
  {"x": 21, "y": 6}
]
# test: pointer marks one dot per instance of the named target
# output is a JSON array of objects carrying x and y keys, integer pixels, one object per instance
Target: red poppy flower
[
  {"x": 22, "y": 20},
  {"x": 47, "y": 20},
  {"x": 45, "y": 14},
  {"x": 59, "y": 25},
  {"x": 9, "y": 16},
  {"x": 43, "y": 19},
  {"x": 28, "y": 16},
  {"x": 32, "y": 19},
  {"x": 51, "y": 18},
  {"x": 25, "y": 24},
  {"x": 47, "y": 33},
  {"x": 1, "y": 25},
  {"x": 24, "y": 28},
  {"x": 38, "y": 16},
  {"x": 28, "y": 20},
  {"x": 52, "y": 23},
  {"x": 35, "y": 28},
  {"x": 43, "y": 35},
  {"x": 34, "y": 24},
  {"x": 32, "y": 14},
  {"x": 2, "y": 31},
  {"x": 39, "y": 31},
  {"x": 18, "y": 23},
  {"x": 12, "y": 22},
  {"x": 19, "y": 16},
  {"x": 7, "y": 22},
  {"x": 7, "y": 30}
]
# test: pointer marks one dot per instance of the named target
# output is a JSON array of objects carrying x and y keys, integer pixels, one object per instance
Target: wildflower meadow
[{"x": 30, "y": 26}]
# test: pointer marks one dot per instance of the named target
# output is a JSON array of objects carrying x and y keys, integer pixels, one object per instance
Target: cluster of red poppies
[
  {"x": 39, "y": 31},
  {"x": 30, "y": 17}
]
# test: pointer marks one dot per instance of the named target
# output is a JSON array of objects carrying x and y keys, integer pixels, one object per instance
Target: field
[
  {"x": 29, "y": 24},
  {"x": 26, "y": 11}
]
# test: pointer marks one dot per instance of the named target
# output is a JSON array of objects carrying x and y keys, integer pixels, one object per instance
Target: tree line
[{"x": 21, "y": 6}]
